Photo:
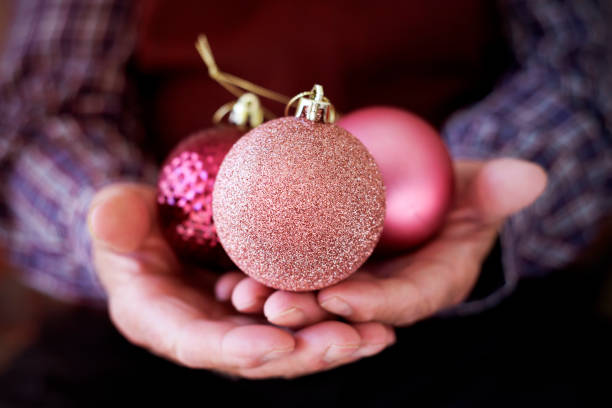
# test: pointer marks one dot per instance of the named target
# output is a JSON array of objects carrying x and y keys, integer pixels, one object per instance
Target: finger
[
  {"x": 121, "y": 215},
  {"x": 318, "y": 347},
  {"x": 338, "y": 349},
  {"x": 326, "y": 345},
  {"x": 225, "y": 285},
  {"x": 502, "y": 187},
  {"x": 249, "y": 296},
  {"x": 375, "y": 337},
  {"x": 396, "y": 300},
  {"x": 177, "y": 330},
  {"x": 291, "y": 309}
]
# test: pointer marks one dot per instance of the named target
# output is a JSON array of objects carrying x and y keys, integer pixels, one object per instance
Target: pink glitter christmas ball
[
  {"x": 184, "y": 196},
  {"x": 299, "y": 205}
]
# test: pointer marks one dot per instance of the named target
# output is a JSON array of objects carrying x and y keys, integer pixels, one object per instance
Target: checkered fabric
[{"x": 66, "y": 130}]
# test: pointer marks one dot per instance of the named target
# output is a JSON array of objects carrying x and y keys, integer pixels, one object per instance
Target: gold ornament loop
[
  {"x": 222, "y": 111},
  {"x": 295, "y": 99},
  {"x": 313, "y": 105},
  {"x": 247, "y": 111}
]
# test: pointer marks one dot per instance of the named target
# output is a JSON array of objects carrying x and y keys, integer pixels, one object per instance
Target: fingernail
[
  {"x": 118, "y": 219},
  {"x": 93, "y": 210},
  {"x": 274, "y": 354},
  {"x": 244, "y": 305},
  {"x": 95, "y": 224},
  {"x": 371, "y": 349},
  {"x": 293, "y": 314},
  {"x": 337, "y": 306},
  {"x": 337, "y": 352}
]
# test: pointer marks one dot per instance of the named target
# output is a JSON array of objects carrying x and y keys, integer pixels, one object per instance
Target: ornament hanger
[
  {"x": 313, "y": 105},
  {"x": 235, "y": 85},
  {"x": 246, "y": 111}
]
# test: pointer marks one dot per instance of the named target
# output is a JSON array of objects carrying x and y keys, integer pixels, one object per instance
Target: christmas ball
[
  {"x": 298, "y": 204},
  {"x": 416, "y": 168},
  {"x": 184, "y": 196}
]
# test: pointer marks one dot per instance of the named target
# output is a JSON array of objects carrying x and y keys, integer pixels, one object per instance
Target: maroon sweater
[{"x": 429, "y": 56}]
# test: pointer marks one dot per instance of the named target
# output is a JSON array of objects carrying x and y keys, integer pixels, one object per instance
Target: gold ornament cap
[
  {"x": 245, "y": 112},
  {"x": 313, "y": 105}
]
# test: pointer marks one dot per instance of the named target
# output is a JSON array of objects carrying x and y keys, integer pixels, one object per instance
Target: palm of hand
[{"x": 155, "y": 303}]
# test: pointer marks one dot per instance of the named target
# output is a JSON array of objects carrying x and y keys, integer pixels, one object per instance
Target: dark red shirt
[{"x": 428, "y": 56}]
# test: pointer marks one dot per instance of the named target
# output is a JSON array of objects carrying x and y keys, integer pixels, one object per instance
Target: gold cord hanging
[{"x": 235, "y": 85}]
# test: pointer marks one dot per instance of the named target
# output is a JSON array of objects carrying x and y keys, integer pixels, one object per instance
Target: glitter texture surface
[
  {"x": 184, "y": 196},
  {"x": 298, "y": 205}
]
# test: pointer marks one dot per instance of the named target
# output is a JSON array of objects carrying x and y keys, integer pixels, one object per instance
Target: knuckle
[
  {"x": 183, "y": 357},
  {"x": 416, "y": 307},
  {"x": 366, "y": 314},
  {"x": 383, "y": 309}
]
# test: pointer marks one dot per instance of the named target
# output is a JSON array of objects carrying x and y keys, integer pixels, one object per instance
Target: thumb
[
  {"x": 121, "y": 216},
  {"x": 504, "y": 186}
]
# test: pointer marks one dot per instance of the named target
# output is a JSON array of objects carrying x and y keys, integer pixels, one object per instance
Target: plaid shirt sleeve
[
  {"x": 554, "y": 108},
  {"x": 64, "y": 125},
  {"x": 65, "y": 129}
]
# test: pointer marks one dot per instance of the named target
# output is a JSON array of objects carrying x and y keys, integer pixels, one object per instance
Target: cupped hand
[
  {"x": 410, "y": 287},
  {"x": 157, "y": 304}
]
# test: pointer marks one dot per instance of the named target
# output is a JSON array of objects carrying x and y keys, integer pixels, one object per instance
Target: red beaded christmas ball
[{"x": 184, "y": 198}]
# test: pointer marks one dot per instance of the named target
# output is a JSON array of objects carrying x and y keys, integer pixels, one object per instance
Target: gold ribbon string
[{"x": 235, "y": 85}]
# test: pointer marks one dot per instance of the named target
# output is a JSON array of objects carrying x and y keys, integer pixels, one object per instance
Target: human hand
[
  {"x": 159, "y": 305},
  {"x": 407, "y": 288}
]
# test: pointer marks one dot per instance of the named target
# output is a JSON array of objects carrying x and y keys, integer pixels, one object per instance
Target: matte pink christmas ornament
[{"x": 416, "y": 168}]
